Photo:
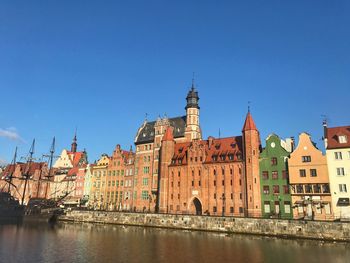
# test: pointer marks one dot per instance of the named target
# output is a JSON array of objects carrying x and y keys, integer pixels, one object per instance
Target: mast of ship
[
  {"x": 11, "y": 174},
  {"x": 49, "y": 176},
  {"x": 27, "y": 170}
]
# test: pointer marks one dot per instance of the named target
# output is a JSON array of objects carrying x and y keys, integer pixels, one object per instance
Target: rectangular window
[
  {"x": 338, "y": 155},
  {"x": 144, "y": 181},
  {"x": 214, "y": 183},
  {"x": 342, "y": 188},
  {"x": 340, "y": 171},
  {"x": 342, "y": 139},
  {"x": 302, "y": 173},
  {"x": 306, "y": 159},
  {"x": 308, "y": 188},
  {"x": 214, "y": 196},
  {"x": 273, "y": 161},
  {"x": 144, "y": 195},
  {"x": 285, "y": 174},
  {"x": 192, "y": 183},
  {"x": 231, "y": 209},
  {"x": 300, "y": 189},
  {"x": 266, "y": 189},
  {"x": 313, "y": 172},
  {"x": 214, "y": 209},
  {"x": 274, "y": 175},
  {"x": 287, "y": 207},
  {"x": 325, "y": 188},
  {"x": 267, "y": 208},
  {"x": 265, "y": 175},
  {"x": 286, "y": 189},
  {"x": 317, "y": 188},
  {"x": 276, "y": 189},
  {"x": 199, "y": 183}
]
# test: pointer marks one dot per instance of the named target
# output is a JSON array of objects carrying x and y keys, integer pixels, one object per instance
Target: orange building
[
  {"x": 119, "y": 182},
  {"x": 309, "y": 181}
]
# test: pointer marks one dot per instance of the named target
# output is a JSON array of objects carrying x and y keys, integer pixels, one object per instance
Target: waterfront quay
[{"x": 321, "y": 230}]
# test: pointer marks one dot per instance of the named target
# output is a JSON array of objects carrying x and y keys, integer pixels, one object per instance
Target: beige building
[
  {"x": 308, "y": 176},
  {"x": 98, "y": 183},
  {"x": 337, "y": 144}
]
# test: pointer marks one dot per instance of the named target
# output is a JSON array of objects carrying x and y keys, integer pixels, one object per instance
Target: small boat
[{"x": 10, "y": 209}]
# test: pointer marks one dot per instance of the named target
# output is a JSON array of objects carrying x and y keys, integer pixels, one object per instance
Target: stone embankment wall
[{"x": 332, "y": 231}]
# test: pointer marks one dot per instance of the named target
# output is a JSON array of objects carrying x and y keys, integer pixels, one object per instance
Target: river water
[{"x": 68, "y": 242}]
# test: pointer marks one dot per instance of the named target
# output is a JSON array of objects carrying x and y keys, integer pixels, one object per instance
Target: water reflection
[{"x": 106, "y": 243}]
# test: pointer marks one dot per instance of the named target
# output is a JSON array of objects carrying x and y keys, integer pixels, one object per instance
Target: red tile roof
[
  {"x": 333, "y": 137},
  {"x": 216, "y": 150},
  {"x": 249, "y": 123}
]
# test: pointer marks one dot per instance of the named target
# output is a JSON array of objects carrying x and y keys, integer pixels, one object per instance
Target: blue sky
[{"x": 101, "y": 65}]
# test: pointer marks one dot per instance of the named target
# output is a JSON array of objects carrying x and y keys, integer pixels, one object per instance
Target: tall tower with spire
[
  {"x": 74, "y": 143},
  {"x": 193, "y": 130},
  {"x": 251, "y": 148}
]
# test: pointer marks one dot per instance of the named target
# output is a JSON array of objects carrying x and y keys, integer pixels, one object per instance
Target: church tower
[
  {"x": 251, "y": 148},
  {"x": 193, "y": 130},
  {"x": 74, "y": 144}
]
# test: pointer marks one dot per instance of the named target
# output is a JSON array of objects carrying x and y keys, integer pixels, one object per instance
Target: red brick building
[{"x": 178, "y": 172}]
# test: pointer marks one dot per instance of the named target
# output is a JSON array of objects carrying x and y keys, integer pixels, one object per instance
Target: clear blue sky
[{"x": 101, "y": 65}]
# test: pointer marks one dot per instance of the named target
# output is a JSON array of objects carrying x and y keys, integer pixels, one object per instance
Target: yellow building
[{"x": 98, "y": 183}]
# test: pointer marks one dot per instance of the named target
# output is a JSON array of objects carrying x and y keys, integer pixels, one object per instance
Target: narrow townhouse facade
[
  {"x": 276, "y": 200},
  {"x": 119, "y": 180},
  {"x": 309, "y": 181},
  {"x": 98, "y": 183},
  {"x": 337, "y": 144}
]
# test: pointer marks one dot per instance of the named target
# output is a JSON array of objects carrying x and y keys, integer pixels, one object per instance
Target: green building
[{"x": 275, "y": 193}]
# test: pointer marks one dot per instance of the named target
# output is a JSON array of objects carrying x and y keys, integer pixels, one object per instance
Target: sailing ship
[
  {"x": 35, "y": 204},
  {"x": 10, "y": 208}
]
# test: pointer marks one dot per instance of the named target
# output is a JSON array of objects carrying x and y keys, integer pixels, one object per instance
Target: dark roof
[
  {"x": 333, "y": 137},
  {"x": 146, "y": 131}
]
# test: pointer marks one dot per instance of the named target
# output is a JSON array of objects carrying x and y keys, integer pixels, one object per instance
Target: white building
[{"x": 337, "y": 144}]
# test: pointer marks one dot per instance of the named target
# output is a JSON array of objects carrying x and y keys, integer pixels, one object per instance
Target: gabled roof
[
  {"x": 333, "y": 137},
  {"x": 249, "y": 123},
  {"x": 146, "y": 131}
]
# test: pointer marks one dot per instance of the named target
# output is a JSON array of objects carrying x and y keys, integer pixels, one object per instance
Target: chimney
[
  {"x": 325, "y": 139},
  {"x": 292, "y": 144},
  {"x": 210, "y": 141}
]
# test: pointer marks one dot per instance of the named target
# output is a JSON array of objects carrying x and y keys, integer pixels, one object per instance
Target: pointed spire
[
  {"x": 74, "y": 143},
  {"x": 249, "y": 123},
  {"x": 168, "y": 135}
]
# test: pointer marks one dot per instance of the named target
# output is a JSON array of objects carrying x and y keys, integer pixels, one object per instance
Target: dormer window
[
  {"x": 342, "y": 139},
  {"x": 230, "y": 156},
  {"x": 215, "y": 157},
  {"x": 222, "y": 157}
]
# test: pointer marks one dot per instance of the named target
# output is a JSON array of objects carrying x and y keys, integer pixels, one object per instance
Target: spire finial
[
  {"x": 146, "y": 116},
  {"x": 249, "y": 106},
  {"x": 192, "y": 81}
]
